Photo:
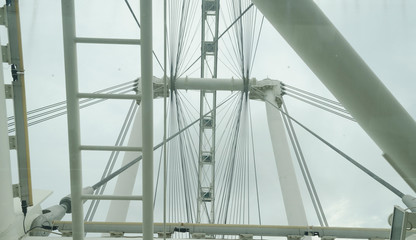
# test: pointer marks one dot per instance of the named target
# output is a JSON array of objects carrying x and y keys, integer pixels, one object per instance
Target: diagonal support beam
[{"x": 322, "y": 47}]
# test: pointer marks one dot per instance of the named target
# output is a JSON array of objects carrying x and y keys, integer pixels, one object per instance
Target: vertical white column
[
  {"x": 292, "y": 199},
  {"x": 147, "y": 111},
  {"x": 71, "y": 80},
  {"x": 125, "y": 181},
  {"x": 6, "y": 197}
]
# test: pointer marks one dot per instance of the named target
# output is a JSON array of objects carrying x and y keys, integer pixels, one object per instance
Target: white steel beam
[
  {"x": 19, "y": 102},
  {"x": 110, "y": 148},
  {"x": 109, "y": 96},
  {"x": 7, "y": 229},
  {"x": 292, "y": 199},
  {"x": 212, "y": 84},
  {"x": 146, "y": 59},
  {"x": 322, "y": 47},
  {"x": 108, "y": 41},
  {"x": 71, "y": 80},
  {"x": 111, "y": 197},
  {"x": 232, "y": 229},
  {"x": 208, "y": 100}
]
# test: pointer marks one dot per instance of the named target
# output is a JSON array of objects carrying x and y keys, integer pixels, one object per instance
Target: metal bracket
[
  {"x": 206, "y": 194},
  {"x": 164, "y": 235},
  {"x": 328, "y": 238},
  {"x": 198, "y": 235},
  {"x": 116, "y": 234},
  {"x": 210, "y": 6},
  {"x": 66, "y": 233},
  {"x": 257, "y": 90},
  {"x": 158, "y": 88},
  {"x": 209, "y": 47},
  {"x": 12, "y": 142},
  {"x": 16, "y": 190},
  {"x": 294, "y": 237},
  {"x": 206, "y": 157},
  {"x": 5, "y": 54},
  {"x": 246, "y": 236},
  {"x": 207, "y": 122},
  {"x": 8, "y": 89}
]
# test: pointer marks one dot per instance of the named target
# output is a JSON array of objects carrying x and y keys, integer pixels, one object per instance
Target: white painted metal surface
[
  {"x": 111, "y": 197},
  {"x": 108, "y": 41},
  {"x": 146, "y": 60},
  {"x": 410, "y": 202},
  {"x": 109, "y": 96},
  {"x": 125, "y": 181},
  {"x": 226, "y": 84},
  {"x": 71, "y": 80},
  {"x": 235, "y": 229},
  {"x": 316, "y": 40},
  {"x": 292, "y": 199},
  {"x": 7, "y": 229},
  {"x": 110, "y": 148}
]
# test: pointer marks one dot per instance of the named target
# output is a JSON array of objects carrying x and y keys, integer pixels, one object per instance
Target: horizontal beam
[
  {"x": 230, "y": 229},
  {"x": 108, "y": 41},
  {"x": 110, "y": 197},
  {"x": 110, "y": 148},
  {"x": 109, "y": 96},
  {"x": 212, "y": 84}
]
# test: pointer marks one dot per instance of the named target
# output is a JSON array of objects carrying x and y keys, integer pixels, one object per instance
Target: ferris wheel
[{"x": 206, "y": 163}]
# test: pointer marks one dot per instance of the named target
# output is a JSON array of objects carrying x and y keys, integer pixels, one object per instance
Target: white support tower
[
  {"x": 270, "y": 91},
  {"x": 206, "y": 163},
  {"x": 292, "y": 199}
]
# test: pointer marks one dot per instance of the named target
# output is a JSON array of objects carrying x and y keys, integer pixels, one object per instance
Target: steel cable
[
  {"x": 304, "y": 169},
  {"x": 351, "y": 160}
]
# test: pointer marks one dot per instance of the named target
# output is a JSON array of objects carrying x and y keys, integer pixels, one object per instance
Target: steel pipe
[
  {"x": 212, "y": 84},
  {"x": 71, "y": 81},
  {"x": 109, "y": 96},
  {"x": 110, "y": 148},
  {"x": 147, "y": 115},
  {"x": 231, "y": 229},
  {"x": 111, "y": 197},
  {"x": 107, "y": 41}
]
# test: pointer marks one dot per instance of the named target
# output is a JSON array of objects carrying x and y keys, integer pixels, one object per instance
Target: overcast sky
[{"x": 383, "y": 32}]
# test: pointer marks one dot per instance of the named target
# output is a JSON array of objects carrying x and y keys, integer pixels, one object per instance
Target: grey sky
[{"x": 382, "y": 32}]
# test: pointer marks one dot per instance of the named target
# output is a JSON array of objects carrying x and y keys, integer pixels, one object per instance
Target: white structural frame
[
  {"x": 7, "y": 229},
  {"x": 397, "y": 142},
  {"x": 75, "y": 147},
  {"x": 293, "y": 232},
  {"x": 271, "y": 93},
  {"x": 146, "y": 58},
  {"x": 74, "y": 139},
  {"x": 212, "y": 84},
  {"x": 207, "y": 132}
]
